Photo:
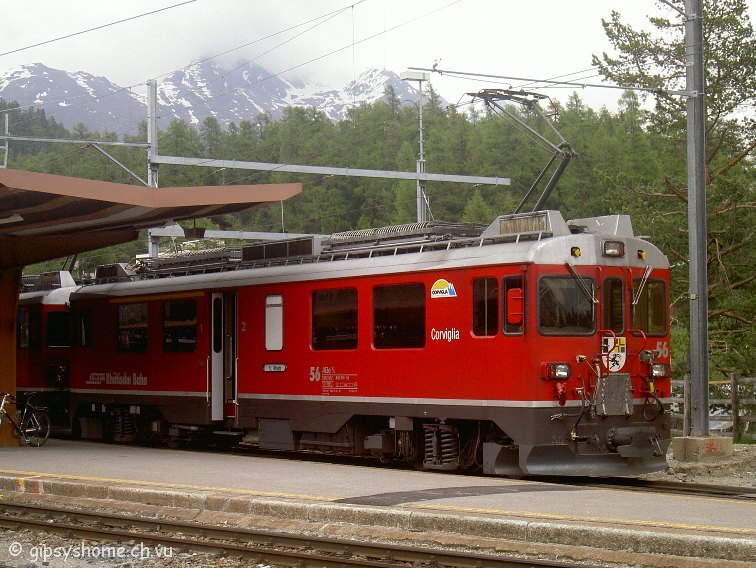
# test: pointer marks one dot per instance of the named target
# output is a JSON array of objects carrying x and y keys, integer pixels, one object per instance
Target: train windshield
[
  {"x": 650, "y": 312},
  {"x": 563, "y": 307},
  {"x": 59, "y": 329}
]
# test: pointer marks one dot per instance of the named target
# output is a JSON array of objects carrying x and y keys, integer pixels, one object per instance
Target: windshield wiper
[
  {"x": 584, "y": 286},
  {"x": 637, "y": 294}
]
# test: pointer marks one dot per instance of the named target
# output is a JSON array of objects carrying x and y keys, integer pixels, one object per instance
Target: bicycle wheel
[{"x": 36, "y": 429}]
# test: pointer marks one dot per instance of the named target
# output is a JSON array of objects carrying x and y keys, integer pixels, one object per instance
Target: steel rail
[{"x": 257, "y": 545}]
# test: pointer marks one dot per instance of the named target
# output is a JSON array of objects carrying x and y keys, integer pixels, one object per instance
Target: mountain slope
[{"x": 191, "y": 94}]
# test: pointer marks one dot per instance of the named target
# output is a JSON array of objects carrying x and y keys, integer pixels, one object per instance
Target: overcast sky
[{"x": 535, "y": 38}]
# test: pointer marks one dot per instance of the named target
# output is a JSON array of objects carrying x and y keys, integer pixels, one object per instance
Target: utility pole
[
  {"x": 697, "y": 224},
  {"x": 421, "y": 197}
]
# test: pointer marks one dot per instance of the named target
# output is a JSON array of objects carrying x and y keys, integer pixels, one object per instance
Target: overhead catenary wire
[
  {"x": 551, "y": 82},
  {"x": 109, "y": 24}
]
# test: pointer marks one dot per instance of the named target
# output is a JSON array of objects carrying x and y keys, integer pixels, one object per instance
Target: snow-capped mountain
[
  {"x": 191, "y": 94},
  {"x": 72, "y": 98}
]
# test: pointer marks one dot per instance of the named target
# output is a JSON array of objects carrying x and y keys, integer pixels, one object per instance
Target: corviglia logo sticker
[{"x": 443, "y": 289}]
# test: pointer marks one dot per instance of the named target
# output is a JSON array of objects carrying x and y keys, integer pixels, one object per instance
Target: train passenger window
[
  {"x": 564, "y": 307},
  {"x": 132, "y": 328},
  {"x": 399, "y": 316},
  {"x": 485, "y": 306},
  {"x": 274, "y": 322},
  {"x": 334, "y": 319},
  {"x": 613, "y": 305},
  {"x": 59, "y": 329},
  {"x": 179, "y": 326},
  {"x": 513, "y": 290},
  {"x": 650, "y": 313},
  {"x": 29, "y": 331}
]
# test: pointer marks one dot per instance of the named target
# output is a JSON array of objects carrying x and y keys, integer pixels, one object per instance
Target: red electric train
[{"x": 533, "y": 346}]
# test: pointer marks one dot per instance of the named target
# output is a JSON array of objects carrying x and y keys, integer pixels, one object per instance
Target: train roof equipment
[{"x": 520, "y": 228}]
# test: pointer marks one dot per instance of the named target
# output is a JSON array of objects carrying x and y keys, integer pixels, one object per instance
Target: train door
[
  {"x": 223, "y": 356},
  {"x": 613, "y": 319}
]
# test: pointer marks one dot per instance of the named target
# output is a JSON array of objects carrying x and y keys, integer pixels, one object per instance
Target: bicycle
[{"x": 33, "y": 425}]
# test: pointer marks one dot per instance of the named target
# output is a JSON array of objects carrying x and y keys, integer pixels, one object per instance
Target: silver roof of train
[{"x": 542, "y": 238}]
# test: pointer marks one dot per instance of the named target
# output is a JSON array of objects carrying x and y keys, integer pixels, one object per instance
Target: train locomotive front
[
  {"x": 533, "y": 346},
  {"x": 44, "y": 337}
]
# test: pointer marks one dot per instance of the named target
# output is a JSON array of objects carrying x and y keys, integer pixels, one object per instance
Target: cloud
[{"x": 541, "y": 38}]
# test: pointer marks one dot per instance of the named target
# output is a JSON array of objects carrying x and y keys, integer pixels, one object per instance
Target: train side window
[
  {"x": 85, "y": 328},
  {"x": 650, "y": 313},
  {"x": 29, "y": 329},
  {"x": 399, "y": 316},
  {"x": 564, "y": 308},
  {"x": 274, "y": 322},
  {"x": 485, "y": 306},
  {"x": 59, "y": 329},
  {"x": 613, "y": 305},
  {"x": 513, "y": 291},
  {"x": 179, "y": 326},
  {"x": 334, "y": 319},
  {"x": 132, "y": 328},
  {"x": 217, "y": 325}
]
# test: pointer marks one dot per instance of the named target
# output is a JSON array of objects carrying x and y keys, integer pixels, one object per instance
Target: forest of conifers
[{"x": 632, "y": 160}]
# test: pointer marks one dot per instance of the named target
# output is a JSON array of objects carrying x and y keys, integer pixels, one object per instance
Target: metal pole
[
  {"x": 421, "y": 210},
  {"x": 152, "y": 134},
  {"x": 697, "y": 226},
  {"x": 735, "y": 409},
  {"x": 421, "y": 198},
  {"x": 7, "y": 143}
]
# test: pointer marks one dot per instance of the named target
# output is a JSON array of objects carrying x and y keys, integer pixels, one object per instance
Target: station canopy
[{"x": 45, "y": 216}]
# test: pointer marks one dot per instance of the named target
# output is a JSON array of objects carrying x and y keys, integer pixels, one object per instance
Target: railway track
[
  {"x": 662, "y": 487},
  {"x": 250, "y": 545}
]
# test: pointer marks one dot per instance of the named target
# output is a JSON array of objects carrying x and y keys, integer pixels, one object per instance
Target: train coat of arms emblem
[{"x": 614, "y": 353}]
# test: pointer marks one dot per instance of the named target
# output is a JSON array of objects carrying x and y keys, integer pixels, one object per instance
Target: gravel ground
[
  {"x": 738, "y": 470},
  {"x": 29, "y": 549}
]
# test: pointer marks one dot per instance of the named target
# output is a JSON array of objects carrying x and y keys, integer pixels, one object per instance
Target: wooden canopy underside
[{"x": 45, "y": 216}]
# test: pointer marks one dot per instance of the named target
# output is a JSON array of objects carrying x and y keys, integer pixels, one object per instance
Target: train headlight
[
  {"x": 614, "y": 248},
  {"x": 556, "y": 371},
  {"x": 660, "y": 370}
]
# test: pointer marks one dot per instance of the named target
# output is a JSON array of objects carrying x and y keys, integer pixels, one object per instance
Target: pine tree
[{"x": 655, "y": 60}]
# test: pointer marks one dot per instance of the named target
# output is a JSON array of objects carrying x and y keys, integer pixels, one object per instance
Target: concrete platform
[{"x": 327, "y": 497}]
